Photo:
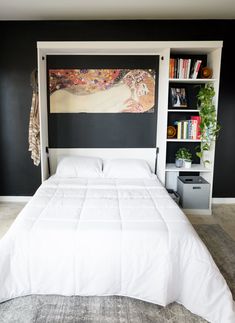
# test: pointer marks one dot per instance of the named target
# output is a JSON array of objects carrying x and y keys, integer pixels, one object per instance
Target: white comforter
[{"x": 111, "y": 237}]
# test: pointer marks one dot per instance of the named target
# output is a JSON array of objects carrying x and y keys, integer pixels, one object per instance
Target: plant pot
[
  {"x": 187, "y": 163},
  {"x": 179, "y": 163},
  {"x": 206, "y": 159}
]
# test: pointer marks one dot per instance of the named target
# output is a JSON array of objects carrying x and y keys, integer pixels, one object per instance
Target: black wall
[{"x": 18, "y": 56}]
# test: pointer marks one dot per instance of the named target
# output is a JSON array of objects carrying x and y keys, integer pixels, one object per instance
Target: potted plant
[
  {"x": 183, "y": 158},
  {"x": 209, "y": 127}
]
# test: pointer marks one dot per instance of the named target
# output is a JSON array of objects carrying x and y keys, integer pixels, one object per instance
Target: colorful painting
[{"x": 102, "y": 90}]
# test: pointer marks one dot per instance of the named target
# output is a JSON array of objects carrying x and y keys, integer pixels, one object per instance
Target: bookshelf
[{"x": 210, "y": 55}]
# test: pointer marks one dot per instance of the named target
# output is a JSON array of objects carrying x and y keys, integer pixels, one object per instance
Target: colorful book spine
[
  {"x": 194, "y": 130},
  {"x": 197, "y": 120},
  {"x": 189, "y": 129},
  {"x": 196, "y": 69},
  {"x": 189, "y": 135},
  {"x": 188, "y": 68},
  {"x": 181, "y": 68},
  {"x": 185, "y": 129},
  {"x": 172, "y": 67},
  {"x": 179, "y": 130}
]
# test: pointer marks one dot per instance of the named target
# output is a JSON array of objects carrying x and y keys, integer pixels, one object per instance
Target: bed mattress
[{"x": 101, "y": 236}]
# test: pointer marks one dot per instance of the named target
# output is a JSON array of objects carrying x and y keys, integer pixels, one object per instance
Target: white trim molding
[
  {"x": 197, "y": 211},
  {"x": 223, "y": 200},
  {"x": 15, "y": 199}
]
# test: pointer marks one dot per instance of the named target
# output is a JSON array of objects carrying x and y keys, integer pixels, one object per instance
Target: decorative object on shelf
[
  {"x": 206, "y": 72},
  {"x": 187, "y": 163},
  {"x": 179, "y": 162},
  {"x": 209, "y": 126},
  {"x": 171, "y": 132},
  {"x": 183, "y": 158},
  {"x": 178, "y": 97}
]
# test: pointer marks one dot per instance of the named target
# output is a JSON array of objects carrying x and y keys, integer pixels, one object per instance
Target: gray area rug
[
  {"x": 222, "y": 249},
  {"x": 115, "y": 309}
]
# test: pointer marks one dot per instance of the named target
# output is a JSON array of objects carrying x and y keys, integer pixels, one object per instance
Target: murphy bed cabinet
[{"x": 207, "y": 51}]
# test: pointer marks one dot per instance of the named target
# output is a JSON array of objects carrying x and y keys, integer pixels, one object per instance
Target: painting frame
[
  {"x": 178, "y": 97},
  {"x": 137, "y": 90}
]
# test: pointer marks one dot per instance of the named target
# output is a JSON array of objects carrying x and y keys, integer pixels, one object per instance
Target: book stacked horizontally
[
  {"x": 189, "y": 129},
  {"x": 181, "y": 68}
]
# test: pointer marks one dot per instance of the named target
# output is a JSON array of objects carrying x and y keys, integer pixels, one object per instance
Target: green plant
[
  {"x": 209, "y": 127},
  {"x": 183, "y": 153}
]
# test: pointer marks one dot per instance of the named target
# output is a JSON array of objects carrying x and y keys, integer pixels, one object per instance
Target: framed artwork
[
  {"x": 178, "y": 97},
  {"x": 101, "y": 90}
]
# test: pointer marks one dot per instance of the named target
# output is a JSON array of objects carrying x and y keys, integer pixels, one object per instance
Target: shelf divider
[
  {"x": 184, "y": 110},
  {"x": 183, "y": 140},
  {"x": 194, "y": 168},
  {"x": 192, "y": 80}
]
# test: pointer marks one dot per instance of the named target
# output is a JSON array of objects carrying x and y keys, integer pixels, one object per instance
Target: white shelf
[
  {"x": 194, "y": 168},
  {"x": 183, "y": 140},
  {"x": 192, "y": 80},
  {"x": 183, "y": 110}
]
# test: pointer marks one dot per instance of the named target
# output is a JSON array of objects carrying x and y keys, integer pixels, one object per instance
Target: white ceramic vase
[
  {"x": 187, "y": 164},
  {"x": 179, "y": 163}
]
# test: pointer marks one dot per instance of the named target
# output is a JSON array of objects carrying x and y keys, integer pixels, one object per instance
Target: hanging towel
[{"x": 34, "y": 124}]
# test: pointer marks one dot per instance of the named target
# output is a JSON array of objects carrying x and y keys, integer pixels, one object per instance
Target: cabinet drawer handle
[{"x": 196, "y": 187}]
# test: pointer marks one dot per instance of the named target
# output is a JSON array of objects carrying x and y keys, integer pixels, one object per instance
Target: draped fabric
[{"x": 34, "y": 124}]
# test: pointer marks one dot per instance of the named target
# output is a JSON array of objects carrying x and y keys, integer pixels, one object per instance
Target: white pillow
[
  {"x": 79, "y": 166},
  {"x": 126, "y": 168}
]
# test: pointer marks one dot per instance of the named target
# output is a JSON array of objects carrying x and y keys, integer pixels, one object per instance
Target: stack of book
[
  {"x": 181, "y": 68},
  {"x": 189, "y": 129}
]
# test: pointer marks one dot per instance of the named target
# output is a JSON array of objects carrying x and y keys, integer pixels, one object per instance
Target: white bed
[{"x": 111, "y": 236}]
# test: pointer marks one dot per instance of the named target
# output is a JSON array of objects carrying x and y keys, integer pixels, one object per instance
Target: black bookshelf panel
[{"x": 172, "y": 148}]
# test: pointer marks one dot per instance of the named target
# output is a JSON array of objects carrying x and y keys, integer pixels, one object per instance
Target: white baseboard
[
  {"x": 215, "y": 200},
  {"x": 223, "y": 200},
  {"x": 18, "y": 199},
  {"x": 197, "y": 211}
]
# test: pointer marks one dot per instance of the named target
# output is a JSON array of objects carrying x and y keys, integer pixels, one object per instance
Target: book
[
  {"x": 180, "y": 68},
  {"x": 197, "y": 119},
  {"x": 175, "y": 67},
  {"x": 188, "y": 68},
  {"x": 189, "y": 134},
  {"x": 179, "y": 130},
  {"x": 188, "y": 129},
  {"x": 195, "y": 69},
  {"x": 185, "y": 129},
  {"x": 172, "y": 67},
  {"x": 184, "y": 68}
]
